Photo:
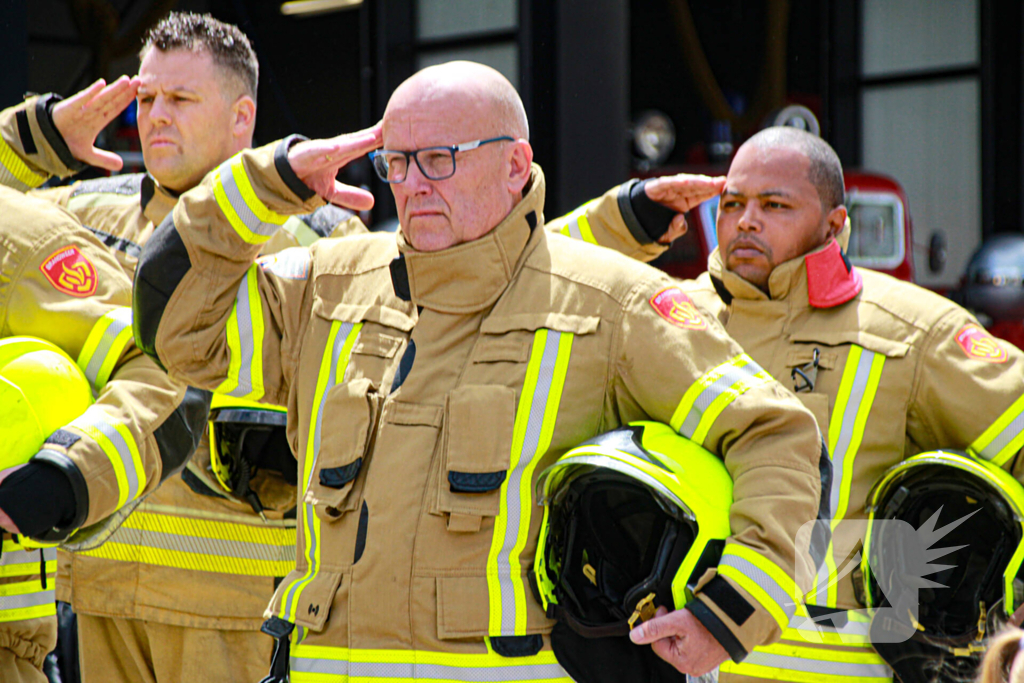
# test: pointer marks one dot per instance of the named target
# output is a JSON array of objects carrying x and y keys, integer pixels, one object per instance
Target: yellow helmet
[
  {"x": 246, "y": 436},
  {"x": 41, "y": 390}
]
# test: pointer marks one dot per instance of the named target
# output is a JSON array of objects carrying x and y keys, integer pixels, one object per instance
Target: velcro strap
[
  {"x": 337, "y": 477},
  {"x": 475, "y": 482},
  {"x": 728, "y": 599},
  {"x": 63, "y": 437}
]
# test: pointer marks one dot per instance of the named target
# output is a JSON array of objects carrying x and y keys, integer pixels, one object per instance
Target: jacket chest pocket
[
  {"x": 347, "y": 425},
  {"x": 476, "y": 451}
]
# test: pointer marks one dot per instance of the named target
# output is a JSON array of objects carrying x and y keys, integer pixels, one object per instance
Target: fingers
[
  {"x": 104, "y": 159},
  {"x": 684, "y": 191},
  {"x": 115, "y": 98},
  {"x": 354, "y": 198},
  {"x": 663, "y": 625},
  {"x": 676, "y": 229}
]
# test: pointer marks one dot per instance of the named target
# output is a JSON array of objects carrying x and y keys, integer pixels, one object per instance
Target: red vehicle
[{"x": 880, "y": 237}]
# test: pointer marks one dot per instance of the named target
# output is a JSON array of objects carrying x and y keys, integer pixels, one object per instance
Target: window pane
[
  {"x": 927, "y": 136},
  {"x": 448, "y": 18},
  {"x": 907, "y": 35},
  {"x": 876, "y": 220},
  {"x": 502, "y": 56}
]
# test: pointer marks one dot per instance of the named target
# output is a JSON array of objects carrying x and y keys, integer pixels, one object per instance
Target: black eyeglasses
[{"x": 436, "y": 163}]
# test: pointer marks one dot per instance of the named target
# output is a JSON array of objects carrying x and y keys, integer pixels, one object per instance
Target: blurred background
[{"x": 925, "y": 92}]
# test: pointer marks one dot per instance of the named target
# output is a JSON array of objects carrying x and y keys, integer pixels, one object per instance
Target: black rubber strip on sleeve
[
  {"x": 25, "y": 132},
  {"x": 48, "y": 498},
  {"x": 179, "y": 435},
  {"x": 717, "y": 629},
  {"x": 649, "y": 214},
  {"x": 628, "y": 215},
  {"x": 284, "y": 168},
  {"x": 162, "y": 266},
  {"x": 728, "y": 599},
  {"x": 44, "y": 105}
]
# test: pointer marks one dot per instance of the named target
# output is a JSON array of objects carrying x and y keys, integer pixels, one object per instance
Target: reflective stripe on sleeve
[
  {"x": 119, "y": 445},
  {"x": 763, "y": 579},
  {"x": 244, "y": 332},
  {"x": 785, "y": 661},
  {"x": 17, "y": 561},
  {"x": 201, "y": 545},
  {"x": 337, "y": 352},
  {"x": 1004, "y": 438},
  {"x": 531, "y": 437},
  {"x": 249, "y": 216},
  {"x": 26, "y": 600},
  {"x": 302, "y": 233},
  {"x": 104, "y": 346},
  {"x": 706, "y": 398},
  {"x": 857, "y": 389},
  {"x": 324, "y": 664},
  {"x": 14, "y": 172},
  {"x": 577, "y": 226}
]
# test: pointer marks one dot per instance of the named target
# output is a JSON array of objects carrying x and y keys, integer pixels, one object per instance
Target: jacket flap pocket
[
  {"x": 380, "y": 345},
  {"x": 357, "y": 313},
  {"x": 413, "y": 414},
  {"x": 560, "y": 322},
  {"x": 308, "y": 604},
  {"x": 463, "y": 609},
  {"x": 347, "y": 424},
  {"x": 887, "y": 347},
  {"x": 800, "y": 356}
]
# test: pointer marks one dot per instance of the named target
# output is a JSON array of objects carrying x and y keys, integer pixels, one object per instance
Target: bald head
[
  {"x": 466, "y": 90},
  {"x": 825, "y": 171}
]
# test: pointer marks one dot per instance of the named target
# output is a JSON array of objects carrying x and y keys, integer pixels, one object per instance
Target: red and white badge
[
  {"x": 979, "y": 344},
  {"x": 677, "y": 308},
  {"x": 70, "y": 272}
]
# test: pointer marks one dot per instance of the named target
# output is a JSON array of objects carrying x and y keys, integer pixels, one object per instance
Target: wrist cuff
[
  {"x": 44, "y": 117},
  {"x": 284, "y": 169},
  {"x": 652, "y": 217},
  {"x": 718, "y": 630}
]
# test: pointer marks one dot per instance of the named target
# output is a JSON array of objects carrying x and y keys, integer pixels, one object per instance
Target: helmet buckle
[{"x": 645, "y": 610}]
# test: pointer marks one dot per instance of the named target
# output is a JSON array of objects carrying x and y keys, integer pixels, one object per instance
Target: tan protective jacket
[
  {"x": 421, "y": 423},
  {"x": 58, "y": 283}
]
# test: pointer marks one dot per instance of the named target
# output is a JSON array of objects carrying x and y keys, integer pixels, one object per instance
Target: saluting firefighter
[
  {"x": 889, "y": 370},
  {"x": 59, "y": 284},
  {"x": 197, "y": 105},
  {"x": 430, "y": 379}
]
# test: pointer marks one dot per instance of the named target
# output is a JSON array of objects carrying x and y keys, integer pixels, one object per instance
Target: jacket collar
[
  {"x": 824, "y": 278},
  {"x": 156, "y": 201},
  {"x": 470, "y": 277}
]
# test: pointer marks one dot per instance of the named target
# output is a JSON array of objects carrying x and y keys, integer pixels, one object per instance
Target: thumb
[
  {"x": 652, "y": 630},
  {"x": 104, "y": 159}
]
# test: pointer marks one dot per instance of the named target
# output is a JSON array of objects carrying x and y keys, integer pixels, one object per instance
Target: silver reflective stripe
[
  {"x": 238, "y": 203},
  {"x": 120, "y": 320},
  {"x": 199, "y": 545},
  {"x": 292, "y": 263},
  {"x": 34, "y": 599},
  {"x": 513, "y": 519},
  {"x": 818, "y": 666},
  {"x": 12, "y": 557},
  {"x": 731, "y": 376},
  {"x": 243, "y": 318},
  {"x": 846, "y": 430},
  {"x": 762, "y": 579},
  {"x": 574, "y": 228},
  {"x": 440, "y": 672},
  {"x": 123, "y": 450},
  {"x": 1011, "y": 432}
]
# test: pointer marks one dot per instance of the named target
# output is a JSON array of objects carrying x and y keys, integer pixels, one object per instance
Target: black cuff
[
  {"x": 650, "y": 217},
  {"x": 44, "y": 117},
  {"x": 717, "y": 629},
  {"x": 284, "y": 169},
  {"x": 40, "y": 498}
]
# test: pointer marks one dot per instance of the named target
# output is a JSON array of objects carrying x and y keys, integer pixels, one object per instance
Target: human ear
[
  {"x": 836, "y": 219},
  {"x": 244, "y": 112},
  {"x": 520, "y": 161}
]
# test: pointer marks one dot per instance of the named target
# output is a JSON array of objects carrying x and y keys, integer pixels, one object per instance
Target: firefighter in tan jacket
[
  {"x": 429, "y": 382},
  {"x": 58, "y": 283},
  {"x": 889, "y": 370}
]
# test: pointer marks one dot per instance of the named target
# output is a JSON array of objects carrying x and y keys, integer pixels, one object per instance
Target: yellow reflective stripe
[
  {"x": 854, "y": 633},
  {"x": 333, "y": 364},
  {"x": 766, "y": 582},
  {"x": 577, "y": 226},
  {"x": 1004, "y": 438},
  {"x": 249, "y": 216},
  {"x": 26, "y": 600},
  {"x": 786, "y": 661},
  {"x": 325, "y": 664},
  {"x": 857, "y": 388},
  {"x": 14, "y": 172},
  {"x": 706, "y": 398},
  {"x": 244, "y": 333},
  {"x": 104, "y": 346},
  {"x": 201, "y": 545},
  {"x": 531, "y": 437},
  {"x": 16, "y": 560},
  {"x": 302, "y": 233},
  {"x": 119, "y": 445},
  {"x": 1011, "y": 604}
]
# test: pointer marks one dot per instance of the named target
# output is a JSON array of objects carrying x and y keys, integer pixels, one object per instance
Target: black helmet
[{"x": 994, "y": 284}]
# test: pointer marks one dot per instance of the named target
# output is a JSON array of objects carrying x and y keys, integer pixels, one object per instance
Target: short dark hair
[
  {"x": 227, "y": 45},
  {"x": 825, "y": 172}
]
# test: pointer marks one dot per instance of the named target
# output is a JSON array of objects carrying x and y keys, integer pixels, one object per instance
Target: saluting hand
[
  {"x": 317, "y": 163},
  {"x": 681, "y": 640},
  {"x": 682, "y": 192},
  {"x": 80, "y": 118}
]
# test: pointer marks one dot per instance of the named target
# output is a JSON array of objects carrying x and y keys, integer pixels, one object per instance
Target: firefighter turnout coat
[
  {"x": 425, "y": 394},
  {"x": 889, "y": 370},
  {"x": 59, "y": 283}
]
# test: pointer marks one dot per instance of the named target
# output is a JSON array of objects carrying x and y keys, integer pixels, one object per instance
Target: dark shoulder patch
[
  {"x": 324, "y": 220},
  {"x": 116, "y": 184}
]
